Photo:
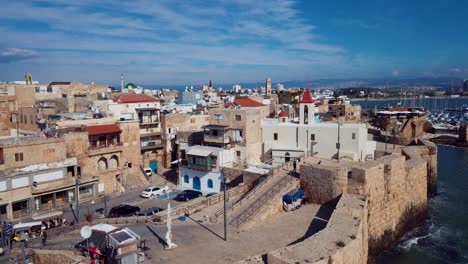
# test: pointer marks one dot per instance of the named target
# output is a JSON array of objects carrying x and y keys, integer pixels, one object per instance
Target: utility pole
[
  {"x": 338, "y": 145},
  {"x": 225, "y": 209},
  {"x": 77, "y": 183}
]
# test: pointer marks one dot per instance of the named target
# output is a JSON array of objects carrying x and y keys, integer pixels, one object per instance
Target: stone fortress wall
[{"x": 380, "y": 200}]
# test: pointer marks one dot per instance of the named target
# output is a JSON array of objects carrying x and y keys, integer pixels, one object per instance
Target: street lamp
[{"x": 77, "y": 183}]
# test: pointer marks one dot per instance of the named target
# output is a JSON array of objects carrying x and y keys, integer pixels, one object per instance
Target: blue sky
[{"x": 191, "y": 42}]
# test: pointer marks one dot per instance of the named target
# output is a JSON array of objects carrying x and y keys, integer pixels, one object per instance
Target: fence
[{"x": 187, "y": 208}]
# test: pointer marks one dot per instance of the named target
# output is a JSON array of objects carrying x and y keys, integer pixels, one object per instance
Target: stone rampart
[
  {"x": 397, "y": 186},
  {"x": 343, "y": 240}
]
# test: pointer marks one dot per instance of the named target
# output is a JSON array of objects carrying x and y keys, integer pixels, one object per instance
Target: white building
[
  {"x": 285, "y": 139},
  {"x": 236, "y": 88},
  {"x": 202, "y": 169}
]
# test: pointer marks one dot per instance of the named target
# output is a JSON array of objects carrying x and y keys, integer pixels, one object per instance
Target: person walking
[{"x": 43, "y": 237}]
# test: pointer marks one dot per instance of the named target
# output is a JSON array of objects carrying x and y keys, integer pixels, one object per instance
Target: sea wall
[
  {"x": 397, "y": 186},
  {"x": 342, "y": 241}
]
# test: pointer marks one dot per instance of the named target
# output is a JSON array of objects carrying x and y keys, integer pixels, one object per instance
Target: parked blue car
[{"x": 188, "y": 195}]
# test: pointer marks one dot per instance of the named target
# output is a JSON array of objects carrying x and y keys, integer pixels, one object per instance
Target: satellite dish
[{"x": 86, "y": 232}]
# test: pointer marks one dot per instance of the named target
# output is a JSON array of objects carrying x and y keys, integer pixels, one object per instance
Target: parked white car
[
  {"x": 148, "y": 172},
  {"x": 152, "y": 192}
]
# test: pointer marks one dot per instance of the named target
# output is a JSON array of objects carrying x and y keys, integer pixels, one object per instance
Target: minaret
[
  {"x": 210, "y": 87},
  {"x": 268, "y": 87},
  {"x": 121, "y": 82},
  {"x": 307, "y": 109}
]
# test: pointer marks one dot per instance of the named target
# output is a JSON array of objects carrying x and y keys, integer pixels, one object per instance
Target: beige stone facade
[
  {"x": 36, "y": 176},
  {"x": 239, "y": 129},
  {"x": 397, "y": 186}
]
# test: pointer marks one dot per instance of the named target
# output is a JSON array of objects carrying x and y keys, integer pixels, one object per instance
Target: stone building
[
  {"x": 175, "y": 123},
  {"x": 108, "y": 152},
  {"x": 146, "y": 110},
  {"x": 37, "y": 176},
  {"x": 238, "y": 129},
  {"x": 339, "y": 110}
]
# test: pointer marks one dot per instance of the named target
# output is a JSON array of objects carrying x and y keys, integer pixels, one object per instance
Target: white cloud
[
  {"x": 160, "y": 40},
  {"x": 14, "y": 54}
]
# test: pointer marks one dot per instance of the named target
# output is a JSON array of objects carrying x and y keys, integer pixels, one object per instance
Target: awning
[
  {"x": 103, "y": 129},
  {"x": 199, "y": 152}
]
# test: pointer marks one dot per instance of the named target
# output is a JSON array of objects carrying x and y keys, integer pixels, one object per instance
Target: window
[
  {"x": 353, "y": 136},
  {"x": 1, "y": 156},
  {"x": 238, "y": 153},
  {"x": 238, "y": 118},
  {"x": 18, "y": 156},
  {"x": 186, "y": 180},
  {"x": 312, "y": 137},
  {"x": 240, "y": 133},
  {"x": 219, "y": 117},
  {"x": 210, "y": 184},
  {"x": 275, "y": 136},
  {"x": 215, "y": 133},
  {"x": 169, "y": 130}
]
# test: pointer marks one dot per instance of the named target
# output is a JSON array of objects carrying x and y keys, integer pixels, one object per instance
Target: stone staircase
[
  {"x": 265, "y": 202},
  {"x": 234, "y": 204}
]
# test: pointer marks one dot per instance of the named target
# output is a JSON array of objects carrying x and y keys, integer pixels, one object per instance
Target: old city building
[{"x": 36, "y": 176}]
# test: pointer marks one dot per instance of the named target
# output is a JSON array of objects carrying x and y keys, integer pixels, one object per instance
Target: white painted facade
[
  {"x": 225, "y": 158},
  {"x": 316, "y": 139},
  {"x": 284, "y": 139},
  {"x": 128, "y": 110}
]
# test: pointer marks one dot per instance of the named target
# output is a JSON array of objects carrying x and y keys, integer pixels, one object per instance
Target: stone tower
[
  {"x": 121, "y": 82},
  {"x": 306, "y": 109},
  {"x": 268, "y": 87}
]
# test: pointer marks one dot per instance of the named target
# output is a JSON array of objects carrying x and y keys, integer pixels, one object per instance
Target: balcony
[
  {"x": 216, "y": 139},
  {"x": 103, "y": 148},
  {"x": 151, "y": 145},
  {"x": 198, "y": 167}
]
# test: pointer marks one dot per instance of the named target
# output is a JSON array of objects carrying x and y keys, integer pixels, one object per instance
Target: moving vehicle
[
  {"x": 188, "y": 195},
  {"x": 123, "y": 210},
  {"x": 152, "y": 192},
  {"x": 148, "y": 172},
  {"x": 150, "y": 211}
]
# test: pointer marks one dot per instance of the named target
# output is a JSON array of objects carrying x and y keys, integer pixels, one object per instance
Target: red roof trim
[
  {"x": 247, "y": 102},
  {"x": 307, "y": 97},
  {"x": 283, "y": 114},
  {"x": 103, "y": 129}
]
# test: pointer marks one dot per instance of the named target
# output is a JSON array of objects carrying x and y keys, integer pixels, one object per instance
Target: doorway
[{"x": 196, "y": 183}]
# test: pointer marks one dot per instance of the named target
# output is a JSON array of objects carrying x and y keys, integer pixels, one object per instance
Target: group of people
[{"x": 25, "y": 236}]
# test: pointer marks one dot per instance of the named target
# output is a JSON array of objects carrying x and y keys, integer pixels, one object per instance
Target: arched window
[
  {"x": 186, "y": 180},
  {"x": 210, "y": 183},
  {"x": 306, "y": 114},
  {"x": 114, "y": 162},
  {"x": 102, "y": 164},
  {"x": 287, "y": 157}
]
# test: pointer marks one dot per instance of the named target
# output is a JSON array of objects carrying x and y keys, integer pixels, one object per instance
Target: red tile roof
[
  {"x": 126, "y": 98},
  {"x": 283, "y": 114},
  {"x": 247, "y": 102},
  {"x": 103, "y": 129},
  {"x": 307, "y": 97}
]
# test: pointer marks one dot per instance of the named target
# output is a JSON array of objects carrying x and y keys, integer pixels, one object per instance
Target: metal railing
[
  {"x": 231, "y": 206},
  {"x": 263, "y": 199}
]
